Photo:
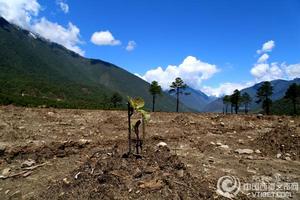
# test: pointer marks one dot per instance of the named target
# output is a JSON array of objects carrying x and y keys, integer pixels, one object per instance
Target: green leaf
[
  {"x": 146, "y": 115},
  {"x": 137, "y": 102}
]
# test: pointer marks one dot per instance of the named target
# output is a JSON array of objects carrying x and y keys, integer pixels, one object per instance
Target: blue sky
[{"x": 212, "y": 44}]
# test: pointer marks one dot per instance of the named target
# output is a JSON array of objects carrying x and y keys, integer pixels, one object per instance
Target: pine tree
[
  {"x": 178, "y": 87},
  {"x": 154, "y": 90}
]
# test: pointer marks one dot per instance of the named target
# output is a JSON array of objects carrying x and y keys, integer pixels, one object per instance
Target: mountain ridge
[
  {"x": 35, "y": 70},
  {"x": 279, "y": 88}
]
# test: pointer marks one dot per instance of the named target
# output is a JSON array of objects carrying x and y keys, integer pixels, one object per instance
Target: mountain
[
  {"x": 35, "y": 71},
  {"x": 279, "y": 89},
  {"x": 196, "y": 99}
]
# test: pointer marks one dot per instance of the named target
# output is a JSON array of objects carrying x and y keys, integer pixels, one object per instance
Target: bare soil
[{"x": 79, "y": 154}]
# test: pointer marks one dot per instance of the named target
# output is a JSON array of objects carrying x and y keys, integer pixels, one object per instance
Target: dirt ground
[{"x": 79, "y": 154}]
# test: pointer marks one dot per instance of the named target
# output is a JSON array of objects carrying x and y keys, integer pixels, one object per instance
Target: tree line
[{"x": 263, "y": 97}]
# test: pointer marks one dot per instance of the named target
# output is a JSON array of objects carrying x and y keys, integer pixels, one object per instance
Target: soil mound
[
  {"x": 282, "y": 140},
  {"x": 108, "y": 175}
]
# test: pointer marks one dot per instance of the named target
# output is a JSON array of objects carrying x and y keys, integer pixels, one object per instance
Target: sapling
[{"x": 136, "y": 105}]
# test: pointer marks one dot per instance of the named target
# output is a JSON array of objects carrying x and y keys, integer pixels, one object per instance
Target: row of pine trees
[
  {"x": 263, "y": 96},
  {"x": 233, "y": 102}
]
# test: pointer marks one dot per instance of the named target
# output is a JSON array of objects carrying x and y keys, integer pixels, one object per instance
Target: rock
[
  {"x": 84, "y": 141},
  {"x": 288, "y": 155},
  {"x": 219, "y": 143},
  {"x": 180, "y": 173},
  {"x": 244, "y": 151},
  {"x": 212, "y": 143},
  {"x": 257, "y": 151},
  {"x": 222, "y": 124},
  {"x": 224, "y": 146},
  {"x": 6, "y": 171},
  {"x": 66, "y": 181},
  {"x": 27, "y": 163},
  {"x": 241, "y": 141},
  {"x": 250, "y": 157},
  {"x": 288, "y": 158},
  {"x": 7, "y": 191},
  {"x": 162, "y": 144},
  {"x": 278, "y": 155},
  {"x": 152, "y": 184},
  {"x": 251, "y": 171},
  {"x": 259, "y": 116},
  {"x": 50, "y": 113}
]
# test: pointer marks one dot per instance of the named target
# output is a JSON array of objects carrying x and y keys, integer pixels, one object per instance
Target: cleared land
[{"x": 68, "y": 154}]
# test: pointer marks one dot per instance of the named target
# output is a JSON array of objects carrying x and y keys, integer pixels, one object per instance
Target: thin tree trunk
[
  {"x": 129, "y": 128},
  {"x": 153, "y": 102},
  {"x": 177, "y": 101}
]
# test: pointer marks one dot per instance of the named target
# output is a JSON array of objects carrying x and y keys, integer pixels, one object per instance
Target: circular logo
[{"x": 228, "y": 186}]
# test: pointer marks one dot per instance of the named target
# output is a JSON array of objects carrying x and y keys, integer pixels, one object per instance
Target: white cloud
[
  {"x": 104, "y": 38},
  {"x": 267, "y": 72},
  {"x": 63, "y": 6},
  {"x": 225, "y": 88},
  {"x": 267, "y": 47},
  {"x": 263, "y": 58},
  {"x": 25, "y": 13},
  {"x": 293, "y": 71},
  {"x": 19, "y": 12},
  {"x": 68, "y": 37},
  {"x": 131, "y": 45},
  {"x": 191, "y": 70}
]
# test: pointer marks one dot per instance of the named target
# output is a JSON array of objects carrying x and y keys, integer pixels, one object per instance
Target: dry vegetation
[{"x": 78, "y": 154}]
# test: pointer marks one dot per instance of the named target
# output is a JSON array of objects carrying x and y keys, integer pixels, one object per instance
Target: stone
[
  {"x": 250, "y": 157},
  {"x": 162, "y": 144},
  {"x": 288, "y": 155},
  {"x": 259, "y": 116},
  {"x": 212, "y": 143},
  {"x": 6, "y": 171},
  {"x": 27, "y": 163},
  {"x": 288, "y": 158},
  {"x": 278, "y": 155},
  {"x": 244, "y": 151},
  {"x": 219, "y": 143},
  {"x": 84, "y": 141},
  {"x": 257, "y": 151},
  {"x": 50, "y": 113},
  {"x": 66, "y": 181},
  {"x": 222, "y": 124},
  {"x": 224, "y": 146},
  {"x": 180, "y": 173},
  {"x": 152, "y": 184}
]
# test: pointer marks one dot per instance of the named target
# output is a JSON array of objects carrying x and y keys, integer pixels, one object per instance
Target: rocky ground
[{"x": 79, "y": 154}]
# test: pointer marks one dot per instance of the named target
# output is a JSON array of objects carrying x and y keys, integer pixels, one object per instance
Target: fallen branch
[{"x": 36, "y": 166}]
